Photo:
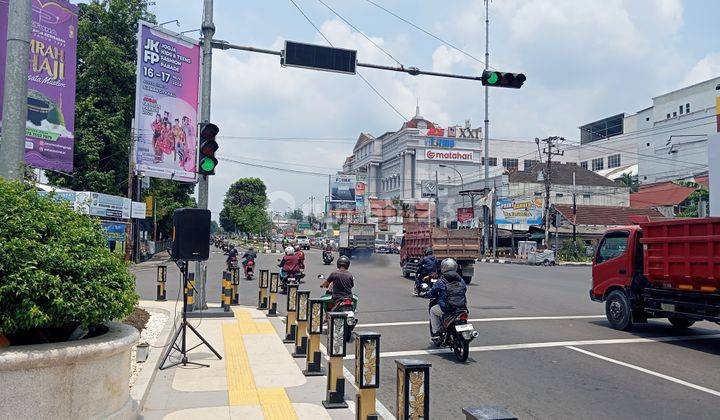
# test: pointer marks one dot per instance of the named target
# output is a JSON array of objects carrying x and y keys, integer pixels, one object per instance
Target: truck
[
  {"x": 660, "y": 269},
  {"x": 357, "y": 239},
  {"x": 463, "y": 245}
]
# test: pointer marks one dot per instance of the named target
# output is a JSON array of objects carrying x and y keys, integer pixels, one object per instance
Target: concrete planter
[{"x": 85, "y": 379}]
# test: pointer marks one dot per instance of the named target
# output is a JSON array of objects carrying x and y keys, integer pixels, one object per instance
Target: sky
[{"x": 584, "y": 60}]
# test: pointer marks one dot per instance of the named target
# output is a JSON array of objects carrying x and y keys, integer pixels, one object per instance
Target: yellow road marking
[{"x": 276, "y": 404}]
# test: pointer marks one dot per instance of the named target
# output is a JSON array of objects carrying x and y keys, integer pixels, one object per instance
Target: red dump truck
[
  {"x": 461, "y": 244},
  {"x": 665, "y": 269}
]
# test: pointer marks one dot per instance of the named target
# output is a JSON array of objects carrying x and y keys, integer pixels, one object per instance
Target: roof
[
  {"x": 665, "y": 193},
  {"x": 604, "y": 215},
  {"x": 562, "y": 174},
  {"x": 363, "y": 138}
]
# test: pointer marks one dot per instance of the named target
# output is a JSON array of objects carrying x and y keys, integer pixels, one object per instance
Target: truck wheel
[
  {"x": 681, "y": 323},
  {"x": 617, "y": 310}
]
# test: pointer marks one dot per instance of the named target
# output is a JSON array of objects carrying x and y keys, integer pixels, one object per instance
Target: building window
[
  {"x": 491, "y": 161},
  {"x": 538, "y": 194},
  {"x": 586, "y": 196},
  {"x": 668, "y": 115},
  {"x": 510, "y": 164},
  {"x": 571, "y": 163},
  {"x": 559, "y": 195},
  {"x": 598, "y": 164},
  {"x": 614, "y": 161},
  {"x": 584, "y": 164},
  {"x": 674, "y": 114},
  {"x": 528, "y": 163},
  {"x": 687, "y": 108},
  {"x": 647, "y": 118},
  {"x": 681, "y": 109}
]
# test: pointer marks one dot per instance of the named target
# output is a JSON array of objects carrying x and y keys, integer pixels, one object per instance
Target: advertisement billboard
[
  {"x": 448, "y": 155},
  {"x": 342, "y": 189},
  {"x": 465, "y": 214},
  {"x": 103, "y": 205},
  {"x": 50, "y": 125},
  {"x": 166, "y": 104},
  {"x": 519, "y": 210}
]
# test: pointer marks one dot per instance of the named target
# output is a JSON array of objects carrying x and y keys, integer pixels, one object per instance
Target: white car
[{"x": 303, "y": 241}]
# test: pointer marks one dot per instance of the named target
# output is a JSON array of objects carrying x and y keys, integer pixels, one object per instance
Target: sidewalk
[{"x": 256, "y": 379}]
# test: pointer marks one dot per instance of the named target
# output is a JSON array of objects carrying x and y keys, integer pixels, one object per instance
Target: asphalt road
[{"x": 545, "y": 350}]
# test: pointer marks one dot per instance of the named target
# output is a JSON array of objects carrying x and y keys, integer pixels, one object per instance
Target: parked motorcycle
[
  {"x": 347, "y": 305},
  {"x": 456, "y": 333},
  {"x": 249, "y": 268},
  {"x": 327, "y": 257}
]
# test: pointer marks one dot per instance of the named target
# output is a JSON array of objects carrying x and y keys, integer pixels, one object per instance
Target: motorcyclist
[
  {"x": 249, "y": 255},
  {"x": 450, "y": 292},
  {"x": 301, "y": 256},
  {"x": 232, "y": 255},
  {"x": 428, "y": 266},
  {"x": 289, "y": 264},
  {"x": 341, "y": 281}
]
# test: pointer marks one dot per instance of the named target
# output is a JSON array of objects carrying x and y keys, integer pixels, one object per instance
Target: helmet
[
  {"x": 289, "y": 250},
  {"x": 343, "y": 261},
  {"x": 448, "y": 265},
  {"x": 251, "y": 249},
  {"x": 297, "y": 248},
  {"x": 428, "y": 251}
]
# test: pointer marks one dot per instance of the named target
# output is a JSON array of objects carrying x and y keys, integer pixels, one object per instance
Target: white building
[{"x": 666, "y": 141}]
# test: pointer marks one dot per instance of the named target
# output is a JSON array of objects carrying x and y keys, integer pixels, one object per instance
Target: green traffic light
[
  {"x": 207, "y": 165},
  {"x": 493, "y": 78}
]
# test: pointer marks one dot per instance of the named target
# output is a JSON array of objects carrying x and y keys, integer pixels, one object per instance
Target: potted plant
[{"x": 60, "y": 290}]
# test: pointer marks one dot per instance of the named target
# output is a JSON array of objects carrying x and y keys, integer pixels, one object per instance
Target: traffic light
[
  {"x": 208, "y": 146},
  {"x": 501, "y": 79}
]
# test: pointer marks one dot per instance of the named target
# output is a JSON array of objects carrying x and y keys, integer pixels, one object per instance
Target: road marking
[
  {"x": 379, "y": 407},
  {"x": 518, "y": 318},
  {"x": 548, "y": 345},
  {"x": 649, "y": 372}
]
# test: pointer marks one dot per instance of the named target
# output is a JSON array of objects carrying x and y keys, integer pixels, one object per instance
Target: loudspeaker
[{"x": 191, "y": 238}]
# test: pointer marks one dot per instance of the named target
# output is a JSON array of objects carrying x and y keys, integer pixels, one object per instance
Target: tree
[
  {"x": 214, "y": 227},
  {"x": 245, "y": 207},
  {"x": 630, "y": 182},
  {"x": 169, "y": 195},
  {"x": 105, "y": 95}
]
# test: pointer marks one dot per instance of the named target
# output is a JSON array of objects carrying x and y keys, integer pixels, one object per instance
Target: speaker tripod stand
[{"x": 182, "y": 332}]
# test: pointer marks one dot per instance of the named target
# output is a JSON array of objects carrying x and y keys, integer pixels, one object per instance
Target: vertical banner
[
  {"x": 50, "y": 125},
  {"x": 166, "y": 107}
]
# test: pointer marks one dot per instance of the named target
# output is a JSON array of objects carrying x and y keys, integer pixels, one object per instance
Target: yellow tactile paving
[{"x": 274, "y": 402}]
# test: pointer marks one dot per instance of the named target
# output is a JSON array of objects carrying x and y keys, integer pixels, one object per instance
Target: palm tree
[{"x": 630, "y": 181}]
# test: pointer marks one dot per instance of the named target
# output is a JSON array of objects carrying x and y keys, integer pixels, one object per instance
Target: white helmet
[{"x": 289, "y": 250}]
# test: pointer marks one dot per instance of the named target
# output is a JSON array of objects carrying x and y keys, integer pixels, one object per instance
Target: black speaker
[{"x": 191, "y": 241}]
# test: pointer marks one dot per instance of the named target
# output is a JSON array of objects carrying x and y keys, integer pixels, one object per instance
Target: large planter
[{"x": 85, "y": 379}]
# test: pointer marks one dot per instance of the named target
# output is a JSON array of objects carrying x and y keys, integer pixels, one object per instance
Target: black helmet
[
  {"x": 343, "y": 262},
  {"x": 428, "y": 251}
]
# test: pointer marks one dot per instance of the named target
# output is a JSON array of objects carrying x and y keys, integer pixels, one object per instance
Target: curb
[{"x": 524, "y": 262}]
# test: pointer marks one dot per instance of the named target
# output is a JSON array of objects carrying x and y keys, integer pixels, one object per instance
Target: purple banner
[
  {"x": 50, "y": 123},
  {"x": 168, "y": 77}
]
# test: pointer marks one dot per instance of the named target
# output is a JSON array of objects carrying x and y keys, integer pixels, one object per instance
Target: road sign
[
  {"x": 428, "y": 188},
  {"x": 318, "y": 57}
]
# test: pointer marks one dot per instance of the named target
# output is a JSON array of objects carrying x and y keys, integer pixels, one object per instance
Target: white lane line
[
  {"x": 517, "y": 318},
  {"x": 649, "y": 372},
  {"x": 548, "y": 345},
  {"x": 379, "y": 407}
]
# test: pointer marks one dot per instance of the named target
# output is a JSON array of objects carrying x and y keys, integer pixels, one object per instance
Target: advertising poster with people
[
  {"x": 519, "y": 210},
  {"x": 50, "y": 125},
  {"x": 166, "y": 110}
]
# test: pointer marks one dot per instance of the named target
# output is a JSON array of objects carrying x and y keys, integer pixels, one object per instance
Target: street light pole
[
  {"x": 12, "y": 145},
  {"x": 462, "y": 183}
]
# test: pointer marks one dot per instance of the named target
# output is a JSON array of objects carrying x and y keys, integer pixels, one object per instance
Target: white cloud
[{"x": 707, "y": 68}]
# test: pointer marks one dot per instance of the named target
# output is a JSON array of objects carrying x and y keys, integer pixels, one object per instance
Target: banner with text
[
  {"x": 50, "y": 125},
  {"x": 451, "y": 155},
  {"x": 519, "y": 210},
  {"x": 166, "y": 107},
  {"x": 342, "y": 189}
]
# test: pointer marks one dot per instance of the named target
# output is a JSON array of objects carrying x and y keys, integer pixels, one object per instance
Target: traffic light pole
[
  {"x": 487, "y": 129},
  {"x": 208, "y": 30}
]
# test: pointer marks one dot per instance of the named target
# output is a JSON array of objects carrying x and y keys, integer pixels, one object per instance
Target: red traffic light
[{"x": 209, "y": 131}]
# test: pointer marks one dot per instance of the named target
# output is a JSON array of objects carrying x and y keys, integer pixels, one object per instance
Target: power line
[
  {"x": 286, "y": 170},
  {"x": 361, "y": 33}
]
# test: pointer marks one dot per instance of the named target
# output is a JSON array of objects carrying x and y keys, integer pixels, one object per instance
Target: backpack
[{"x": 455, "y": 296}]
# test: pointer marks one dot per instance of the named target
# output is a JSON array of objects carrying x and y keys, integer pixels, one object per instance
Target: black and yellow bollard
[
  {"x": 190, "y": 290},
  {"x": 291, "y": 308},
  {"x": 235, "y": 285},
  {"x": 161, "y": 281},
  {"x": 235, "y": 272},
  {"x": 272, "y": 298},
  {"x": 263, "y": 283},
  {"x": 226, "y": 296},
  {"x": 313, "y": 363},
  {"x": 303, "y": 297},
  {"x": 367, "y": 373},
  {"x": 337, "y": 349},
  {"x": 412, "y": 391}
]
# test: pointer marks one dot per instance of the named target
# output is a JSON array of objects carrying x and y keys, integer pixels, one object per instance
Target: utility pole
[
  {"x": 551, "y": 149},
  {"x": 437, "y": 200},
  {"x": 574, "y": 210},
  {"x": 487, "y": 126},
  {"x": 17, "y": 63},
  {"x": 208, "y": 30}
]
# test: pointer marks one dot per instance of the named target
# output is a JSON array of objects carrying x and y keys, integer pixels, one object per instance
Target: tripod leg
[
  {"x": 171, "y": 346},
  {"x": 204, "y": 341}
]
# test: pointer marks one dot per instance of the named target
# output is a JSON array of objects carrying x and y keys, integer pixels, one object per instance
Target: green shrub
[{"x": 55, "y": 268}]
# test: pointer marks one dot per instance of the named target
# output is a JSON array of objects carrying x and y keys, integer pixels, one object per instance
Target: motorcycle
[
  {"x": 232, "y": 263},
  {"x": 285, "y": 279},
  {"x": 327, "y": 257},
  {"x": 426, "y": 284},
  {"x": 456, "y": 333},
  {"x": 249, "y": 268},
  {"x": 347, "y": 305}
]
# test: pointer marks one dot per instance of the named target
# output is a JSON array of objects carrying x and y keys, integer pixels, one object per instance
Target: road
[{"x": 545, "y": 350}]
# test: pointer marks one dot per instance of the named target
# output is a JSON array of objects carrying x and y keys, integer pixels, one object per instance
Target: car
[
  {"x": 303, "y": 241},
  {"x": 382, "y": 247}
]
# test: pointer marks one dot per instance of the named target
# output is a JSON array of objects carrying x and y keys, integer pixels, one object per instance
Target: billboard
[
  {"x": 50, "y": 125},
  {"x": 465, "y": 214},
  {"x": 342, "y": 188},
  {"x": 103, "y": 205},
  {"x": 448, "y": 155},
  {"x": 519, "y": 210},
  {"x": 166, "y": 104}
]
